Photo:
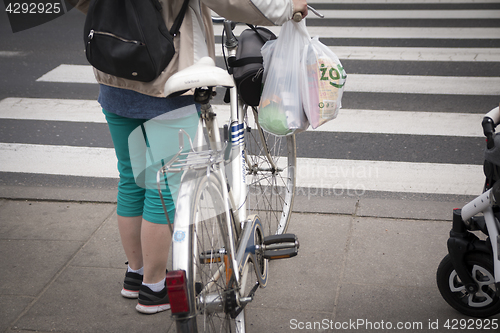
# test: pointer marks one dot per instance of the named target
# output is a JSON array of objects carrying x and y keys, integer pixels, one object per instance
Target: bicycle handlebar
[{"x": 297, "y": 17}]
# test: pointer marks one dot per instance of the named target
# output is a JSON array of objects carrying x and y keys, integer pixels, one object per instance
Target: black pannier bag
[
  {"x": 129, "y": 38},
  {"x": 248, "y": 65}
]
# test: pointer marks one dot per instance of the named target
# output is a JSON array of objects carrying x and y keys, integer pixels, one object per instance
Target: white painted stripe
[
  {"x": 393, "y": 122},
  {"x": 351, "y": 121},
  {"x": 409, "y": 53},
  {"x": 414, "y": 84},
  {"x": 51, "y": 109},
  {"x": 9, "y": 54},
  {"x": 70, "y": 74},
  {"x": 341, "y": 175},
  {"x": 417, "y": 54},
  {"x": 311, "y": 173},
  {"x": 409, "y": 14},
  {"x": 395, "y": 32},
  {"x": 401, "y": 1},
  {"x": 58, "y": 160},
  {"x": 406, "y": 84},
  {"x": 406, "y": 122}
]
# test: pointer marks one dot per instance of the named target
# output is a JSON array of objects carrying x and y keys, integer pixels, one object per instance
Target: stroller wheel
[{"x": 481, "y": 304}]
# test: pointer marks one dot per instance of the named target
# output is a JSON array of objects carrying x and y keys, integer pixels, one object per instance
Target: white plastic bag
[
  {"x": 280, "y": 110},
  {"x": 323, "y": 80}
]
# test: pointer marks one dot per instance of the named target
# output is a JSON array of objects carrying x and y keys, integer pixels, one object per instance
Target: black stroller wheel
[{"x": 483, "y": 303}]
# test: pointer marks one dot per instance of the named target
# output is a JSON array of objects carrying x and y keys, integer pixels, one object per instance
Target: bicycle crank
[{"x": 280, "y": 246}]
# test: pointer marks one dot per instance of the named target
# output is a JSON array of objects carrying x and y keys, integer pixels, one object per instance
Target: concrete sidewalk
[{"x": 365, "y": 264}]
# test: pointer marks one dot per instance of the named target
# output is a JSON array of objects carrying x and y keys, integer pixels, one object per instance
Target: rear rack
[
  {"x": 190, "y": 160},
  {"x": 193, "y": 159}
]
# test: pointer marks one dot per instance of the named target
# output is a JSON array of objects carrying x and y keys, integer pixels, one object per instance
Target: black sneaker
[
  {"x": 131, "y": 285},
  {"x": 152, "y": 302}
]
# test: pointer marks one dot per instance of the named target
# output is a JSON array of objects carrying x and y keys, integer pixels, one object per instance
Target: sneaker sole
[
  {"x": 150, "y": 309},
  {"x": 130, "y": 293}
]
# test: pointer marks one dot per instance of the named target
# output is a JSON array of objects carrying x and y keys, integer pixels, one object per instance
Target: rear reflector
[{"x": 177, "y": 292}]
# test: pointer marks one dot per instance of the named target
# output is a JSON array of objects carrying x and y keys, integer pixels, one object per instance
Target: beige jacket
[{"x": 196, "y": 36}]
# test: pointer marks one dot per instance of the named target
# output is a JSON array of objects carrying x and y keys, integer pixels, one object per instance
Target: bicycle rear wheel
[
  {"x": 213, "y": 272},
  {"x": 271, "y": 167}
]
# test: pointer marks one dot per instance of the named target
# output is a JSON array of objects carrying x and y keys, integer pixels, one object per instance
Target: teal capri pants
[{"x": 142, "y": 146}]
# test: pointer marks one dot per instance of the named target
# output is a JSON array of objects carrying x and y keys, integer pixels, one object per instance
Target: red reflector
[{"x": 177, "y": 292}]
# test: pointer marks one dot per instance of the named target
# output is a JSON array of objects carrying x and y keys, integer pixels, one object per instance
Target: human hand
[{"x": 300, "y": 6}]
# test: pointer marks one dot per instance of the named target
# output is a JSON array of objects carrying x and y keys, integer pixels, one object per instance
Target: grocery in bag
[
  {"x": 280, "y": 109},
  {"x": 323, "y": 80}
]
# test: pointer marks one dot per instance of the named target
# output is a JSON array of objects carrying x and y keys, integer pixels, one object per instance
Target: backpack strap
[{"x": 178, "y": 20}]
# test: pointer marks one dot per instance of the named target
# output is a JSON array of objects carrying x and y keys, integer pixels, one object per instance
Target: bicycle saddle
[{"x": 203, "y": 73}]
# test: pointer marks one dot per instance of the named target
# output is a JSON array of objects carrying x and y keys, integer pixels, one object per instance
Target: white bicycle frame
[
  {"x": 234, "y": 197},
  {"x": 201, "y": 75}
]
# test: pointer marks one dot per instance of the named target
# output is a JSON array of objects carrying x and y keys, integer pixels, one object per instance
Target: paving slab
[
  {"x": 63, "y": 267},
  {"x": 104, "y": 249},
  {"x": 395, "y": 252},
  {"x": 308, "y": 281},
  {"x": 37, "y": 240},
  {"x": 87, "y": 299}
]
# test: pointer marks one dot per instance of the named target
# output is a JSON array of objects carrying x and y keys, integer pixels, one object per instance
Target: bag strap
[
  {"x": 254, "y": 28},
  {"x": 178, "y": 20},
  {"x": 246, "y": 61}
]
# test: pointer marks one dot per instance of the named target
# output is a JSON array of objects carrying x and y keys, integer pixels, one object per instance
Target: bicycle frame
[
  {"x": 226, "y": 162},
  {"x": 235, "y": 208}
]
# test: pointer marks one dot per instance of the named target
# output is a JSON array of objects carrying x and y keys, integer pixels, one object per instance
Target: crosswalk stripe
[
  {"x": 409, "y": 53},
  {"x": 312, "y": 173},
  {"x": 390, "y": 33},
  {"x": 410, "y": 14},
  {"x": 414, "y": 84},
  {"x": 405, "y": 84},
  {"x": 340, "y": 175},
  {"x": 364, "y": 2},
  {"x": 394, "y": 122},
  {"x": 58, "y": 160},
  {"x": 10, "y": 54},
  {"x": 417, "y": 53},
  {"x": 74, "y": 110},
  {"x": 351, "y": 121},
  {"x": 69, "y": 74}
]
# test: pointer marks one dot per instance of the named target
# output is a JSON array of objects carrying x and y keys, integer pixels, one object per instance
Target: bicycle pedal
[
  {"x": 210, "y": 257},
  {"x": 280, "y": 246}
]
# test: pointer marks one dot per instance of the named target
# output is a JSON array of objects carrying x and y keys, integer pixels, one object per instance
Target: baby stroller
[{"x": 468, "y": 277}]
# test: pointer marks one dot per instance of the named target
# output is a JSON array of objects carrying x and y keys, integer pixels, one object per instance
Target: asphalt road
[{"x": 27, "y": 55}]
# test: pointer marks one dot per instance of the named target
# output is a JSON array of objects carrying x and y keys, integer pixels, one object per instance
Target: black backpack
[
  {"x": 248, "y": 65},
  {"x": 129, "y": 38}
]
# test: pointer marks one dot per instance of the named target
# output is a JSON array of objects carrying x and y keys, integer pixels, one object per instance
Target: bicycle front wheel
[
  {"x": 213, "y": 274},
  {"x": 271, "y": 167}
]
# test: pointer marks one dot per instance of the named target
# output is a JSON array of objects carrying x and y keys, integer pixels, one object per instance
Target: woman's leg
[
  {"x": 130, "y": 197},
  {"x": 130, "y": 234},
  {"x": 156, "y": 240}
]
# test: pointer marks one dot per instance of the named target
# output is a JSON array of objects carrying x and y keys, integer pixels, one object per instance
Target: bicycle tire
[
  {"x": 212, "y": 270},
  {"x": 271, "y": 190}
]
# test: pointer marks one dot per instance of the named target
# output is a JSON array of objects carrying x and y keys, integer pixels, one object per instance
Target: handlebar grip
[
  {"x": 297, "y": 17},
  {"x": 490, "y": 121},
  {"x": 494, "y": 115}
]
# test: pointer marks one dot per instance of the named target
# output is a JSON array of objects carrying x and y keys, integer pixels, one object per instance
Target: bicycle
[
  {"x": 233, "y": 207},
  {"x": 468, "y": 277}
]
